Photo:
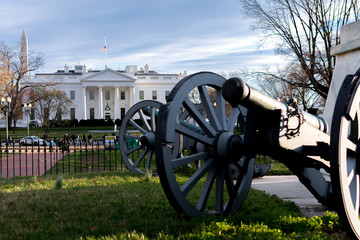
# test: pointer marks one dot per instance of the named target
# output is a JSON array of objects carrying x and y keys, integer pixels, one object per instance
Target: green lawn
[{"x": 118, "y": 205}]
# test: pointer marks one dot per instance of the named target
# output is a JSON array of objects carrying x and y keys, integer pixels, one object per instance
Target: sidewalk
[{"x": 289, "y": 188}]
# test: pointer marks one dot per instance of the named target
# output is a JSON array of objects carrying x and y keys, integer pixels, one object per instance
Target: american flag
[{"x": 103, "y": 49}]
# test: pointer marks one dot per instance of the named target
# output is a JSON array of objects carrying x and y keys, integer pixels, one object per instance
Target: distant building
[
  {"x": 103, "y": 94},
  {"x": 99, "y": 94}
]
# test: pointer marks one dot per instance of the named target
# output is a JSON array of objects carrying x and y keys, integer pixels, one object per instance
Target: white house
[{"x": 108, "y": 93}]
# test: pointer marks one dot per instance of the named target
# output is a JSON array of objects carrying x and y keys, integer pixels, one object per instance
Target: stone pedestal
[{"x": 347, "y": 62}]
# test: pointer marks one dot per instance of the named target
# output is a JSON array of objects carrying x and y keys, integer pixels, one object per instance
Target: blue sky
[{"x": 170, "y": 36}]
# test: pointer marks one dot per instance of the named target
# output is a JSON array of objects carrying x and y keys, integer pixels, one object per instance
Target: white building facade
[{"x": 106, "y": 94}]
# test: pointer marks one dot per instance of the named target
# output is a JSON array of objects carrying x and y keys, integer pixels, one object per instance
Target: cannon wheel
[
  {"x": 137, "y": 138},
  {"x": 345, "y": 155},
  {"x": 213, "y": 188}
]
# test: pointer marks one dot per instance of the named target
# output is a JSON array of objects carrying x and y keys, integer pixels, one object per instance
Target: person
[
  {"x": 84, "y": 138},
  {"x": 73, "y": 137},
  {"x": 90, "y": 139},
  {"x": 51, "y": 145}
]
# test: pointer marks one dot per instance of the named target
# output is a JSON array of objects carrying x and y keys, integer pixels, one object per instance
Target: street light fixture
[
  {"x": 6, "y": 107},
  {"x": 27, "y": 108}
]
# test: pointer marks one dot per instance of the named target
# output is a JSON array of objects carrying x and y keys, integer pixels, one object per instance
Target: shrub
[
  {"x": 109, "y": 122},
  {"x": 118, "y": 121},
  {"x": 74, "y": 122}
]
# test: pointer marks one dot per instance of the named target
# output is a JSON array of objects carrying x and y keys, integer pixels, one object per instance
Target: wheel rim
[
  {"x": 137, "y": 138},
  {"x": 212, "y": 188},
  {"x": 345, "y": 158}
]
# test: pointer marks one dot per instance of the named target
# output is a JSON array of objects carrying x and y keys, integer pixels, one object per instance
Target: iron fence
[{"x": 36, "y": 160}]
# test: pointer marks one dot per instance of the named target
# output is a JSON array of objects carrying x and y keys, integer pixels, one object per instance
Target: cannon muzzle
[{"x": 236, "y": 91}]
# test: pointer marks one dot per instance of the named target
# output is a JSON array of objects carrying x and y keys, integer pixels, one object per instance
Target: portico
[{"x": 108, "y": 94}]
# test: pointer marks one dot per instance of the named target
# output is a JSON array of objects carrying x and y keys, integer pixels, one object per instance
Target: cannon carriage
[{"x": 296, "y": 138}]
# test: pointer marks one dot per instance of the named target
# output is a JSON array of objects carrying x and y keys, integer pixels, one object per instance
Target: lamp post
[
  {"x": 6, "y": 107},
  {"x": 27, "y": 108}
]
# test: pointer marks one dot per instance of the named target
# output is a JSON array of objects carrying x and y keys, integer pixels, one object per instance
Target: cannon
[
  {"x": 137, "y": 137},
  {"x": 296, "y": 138}
]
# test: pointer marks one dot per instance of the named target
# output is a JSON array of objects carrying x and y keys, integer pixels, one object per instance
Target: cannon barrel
[{"x": 236, "y": 91}]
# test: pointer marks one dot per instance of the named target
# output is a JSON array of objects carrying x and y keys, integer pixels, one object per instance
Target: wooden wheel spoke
[
  {"x": 153, "y": 118},
  {"x": 193, "y": 135},
  {"x": 149, "y": 160},
  {"x": 189, "y": 159},
  {"x": 219, "y": 193},
  {"x": 136, "y": 164},
  {"x": 143, "y": 119},
  {"x": 204, "y": 196},
  {"x": 209, "y": 108},
  {"x": 135, "y": 125},
  {"x": 129, "y": 151},
  {"x": 220, "y": 109},
  {"x": 229, "y": 181},
  {"x": 185, "y": 189},
  {"x": 348, "y": 144},
  {"x": 199, "y": 118}
]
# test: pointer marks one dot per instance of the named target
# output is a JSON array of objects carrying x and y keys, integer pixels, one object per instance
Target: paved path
[
  {"x": 30, "y": 164},
  {"x": 291, "y": 189}
]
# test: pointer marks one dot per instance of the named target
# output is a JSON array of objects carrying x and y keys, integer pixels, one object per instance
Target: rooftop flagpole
[{"x": 104, "y": 50}]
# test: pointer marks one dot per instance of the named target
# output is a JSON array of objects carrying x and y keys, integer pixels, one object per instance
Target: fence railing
[{"x": 36, "y": 160}]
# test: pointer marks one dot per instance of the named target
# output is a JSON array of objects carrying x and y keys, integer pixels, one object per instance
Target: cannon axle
[
  {"x": 227, "y": 148},
  {"x": 148, "y": 140}
]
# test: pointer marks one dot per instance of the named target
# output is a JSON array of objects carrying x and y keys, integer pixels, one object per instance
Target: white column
[
  {"x": 132, "y": 95},
  {"x": 84, "y": 102},
  {"x": 117, "y": 100},
  {"x": 101, "y": 107}
]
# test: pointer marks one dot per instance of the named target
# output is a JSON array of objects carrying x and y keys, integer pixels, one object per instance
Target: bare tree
[
  {"x": 270, "y": 84},
  {"x": 305, "y": 30},
  {"x": 13, "y": 71},
  {"x": 50, "y": 104}
]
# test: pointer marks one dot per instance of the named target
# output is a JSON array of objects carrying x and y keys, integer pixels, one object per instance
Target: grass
[{"x": 118, "y": 205}]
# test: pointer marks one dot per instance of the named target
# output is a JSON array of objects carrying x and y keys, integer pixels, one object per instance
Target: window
[
  {"x": 72, "y": 95},
  {"x": 72, "y": 113},
  {"x": 92, "y": 97},
  {"x": 141, "y": 95},
  {"x": 122, "y": 95},
  {"x": 107, "y": 116},
  {"x": 107, "y": 95},
  {"x": 167, "y": 92},
  {"x": 92, "y": 113},
  {"x": 154, "y": 95},
  {"x": 122, "y": 112}
]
